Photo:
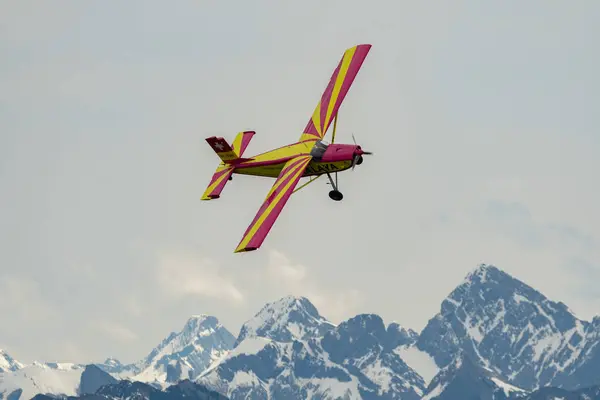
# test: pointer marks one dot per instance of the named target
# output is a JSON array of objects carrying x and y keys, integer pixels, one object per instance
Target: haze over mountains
[{"x": 493, "y": 338}]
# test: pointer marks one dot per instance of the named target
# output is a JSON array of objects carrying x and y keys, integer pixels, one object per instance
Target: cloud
[
  {"x": 183, "y": 274},
  {"x": 285, "y": 278},
  {"x": 116, "y": 331},
  {"x": 22, "y": 301}
]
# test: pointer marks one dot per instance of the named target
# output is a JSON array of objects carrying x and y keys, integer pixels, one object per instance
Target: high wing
[
  {"x": 334, "y": 94},
  {"x": 271, "y": 208}
]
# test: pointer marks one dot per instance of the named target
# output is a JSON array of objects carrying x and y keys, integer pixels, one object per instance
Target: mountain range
[{"x": 494, "y": 337}]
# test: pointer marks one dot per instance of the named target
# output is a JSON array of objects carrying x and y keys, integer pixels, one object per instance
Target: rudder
[
  {"x": 241, "y": 142},
  {"x": 222, "y": 148},
  {"x": 228, "y": 153}
]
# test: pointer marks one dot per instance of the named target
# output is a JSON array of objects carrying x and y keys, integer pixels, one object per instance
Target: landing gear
[{"x": 335, "y": 194}]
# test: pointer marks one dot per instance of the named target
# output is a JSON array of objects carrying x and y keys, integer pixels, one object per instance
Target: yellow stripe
[
  {"x": 268, "y": 211},
  {"x": 339, "y": 80},
  {"x": 237, "y": 143},
  {"x": 296, "y": 170},
  {"x": 227, "y": 155},
  {"x": 280, "y": 181},
  {"x": 212, "y": 187},
  {"x": 316, "y": 118}
]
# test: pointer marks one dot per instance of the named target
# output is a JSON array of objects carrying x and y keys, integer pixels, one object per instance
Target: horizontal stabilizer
[{"x": 217, "y": 183}]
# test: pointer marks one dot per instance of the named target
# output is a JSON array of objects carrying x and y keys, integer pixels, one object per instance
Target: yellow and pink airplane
[{"x": 310, "y": 157}]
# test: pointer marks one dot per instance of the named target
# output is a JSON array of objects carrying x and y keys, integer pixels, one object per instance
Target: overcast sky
[{"x": 483, "y": 117}]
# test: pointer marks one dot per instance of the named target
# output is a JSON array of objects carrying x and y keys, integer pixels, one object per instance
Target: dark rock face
[{"x": 92, "y": 379}]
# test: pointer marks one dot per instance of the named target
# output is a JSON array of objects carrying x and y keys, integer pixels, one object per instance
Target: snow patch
[
  {"x": 250, "y": 345},
  {"x": 380, "y": 375},
  {"x": 419, "y": 361},
  {"x": 507, "y": 387}
]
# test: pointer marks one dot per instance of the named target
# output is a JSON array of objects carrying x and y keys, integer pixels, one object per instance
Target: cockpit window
[{"x": 319, "y": 149}]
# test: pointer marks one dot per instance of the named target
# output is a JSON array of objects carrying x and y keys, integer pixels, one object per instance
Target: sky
[{"x": 482, "y": 117}]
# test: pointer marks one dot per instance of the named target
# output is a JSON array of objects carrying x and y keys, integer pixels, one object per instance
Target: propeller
[
  {"x": 357, "y": 159},
  {"x": 358, "y": 156}
]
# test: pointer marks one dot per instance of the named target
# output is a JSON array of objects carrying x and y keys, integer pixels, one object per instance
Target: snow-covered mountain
[
  {"x": 185, "y": 354},
  {"x": 515, "y": 331},
  {"x": 290, "y": 318},
  {"x": 288, "y": 350},
  {"x": 117, "y": 369},
  {"x": 494, "y": 338},
  {"x": 182, "y": 355},
  {"x": 55, "y": 378},
  {"x": 127, "y": 390},
  {"x": 7, "y": 363}
]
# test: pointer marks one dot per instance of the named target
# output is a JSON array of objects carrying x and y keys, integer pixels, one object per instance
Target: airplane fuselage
[{"x": 327, "y": 158}]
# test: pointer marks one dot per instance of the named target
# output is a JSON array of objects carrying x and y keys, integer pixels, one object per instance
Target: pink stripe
[
  {"x": 268, "y": 201},
  {"x": 310, "y": 128},
  {"x": 254, "y": 164},
  {"x": 216, "y": 192},
  {"x": 327, "y": 95},
  {"x": 267, "y": 224},
  {"x": 357, "y": 60},
  {"x": 216, "y": 175},
  {"x": 289, "y": 167},
  {"x": 246, "y": 137}
]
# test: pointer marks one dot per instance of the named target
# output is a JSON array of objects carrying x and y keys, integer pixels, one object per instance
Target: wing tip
[
  {"x": 361, "y": 45},
  {"x": 245, "y": 249}
]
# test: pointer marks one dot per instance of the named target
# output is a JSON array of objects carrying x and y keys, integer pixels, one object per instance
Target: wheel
[
  {"x": 336, "y": 195},
  {"x": 230, "y": 178},
  {"x": 359, "y": 161}
]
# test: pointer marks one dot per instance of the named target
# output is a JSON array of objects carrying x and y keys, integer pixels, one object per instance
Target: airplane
[{"x": 310, "y": 156}]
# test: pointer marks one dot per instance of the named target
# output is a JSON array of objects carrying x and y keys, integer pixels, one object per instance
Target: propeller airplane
[{"x": 310, "y": 156}]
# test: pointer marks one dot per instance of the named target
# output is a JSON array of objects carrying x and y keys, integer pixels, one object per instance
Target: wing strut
[
  {"x": 334, "y": 127},
  {"x": 310, "y": 181}
]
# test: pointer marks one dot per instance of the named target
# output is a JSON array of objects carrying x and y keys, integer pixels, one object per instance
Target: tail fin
[
  {"x": 228, "y": 153},
  {"x": 222, "y": 148},
  {"x": 241, "y": 142}
]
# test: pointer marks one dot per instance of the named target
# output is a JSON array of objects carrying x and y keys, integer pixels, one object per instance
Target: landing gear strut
[{"x": 335, "y": 194}]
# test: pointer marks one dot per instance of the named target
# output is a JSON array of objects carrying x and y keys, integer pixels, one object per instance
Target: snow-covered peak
[
  {"x": 287, "y": 319},
  {"x": 199, "y": 326},
  {"x": 117, "y": 368},
  {"x": 502, "y": 322},
  {"x": 185, "y": 354},
  {"x": 486, "y": 273},
  {"x": 7, "y": 363},
  {"x": 112, "y": 362}
]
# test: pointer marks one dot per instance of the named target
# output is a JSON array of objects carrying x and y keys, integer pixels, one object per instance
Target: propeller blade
[
  {"x": 367, "y": 152},
  {"x": 354, "y": 161}
]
